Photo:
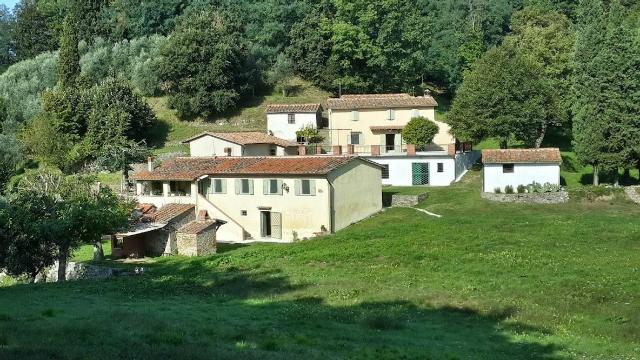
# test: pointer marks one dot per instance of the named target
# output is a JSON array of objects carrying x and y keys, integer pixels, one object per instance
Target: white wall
[
  {"x": 523, "y": 174},
  {"x": 212, "y": 146},
  {"x": 464, "y": 162},
  {"x": 279, "y": 124},
  {"x": 400, "y": 169}
]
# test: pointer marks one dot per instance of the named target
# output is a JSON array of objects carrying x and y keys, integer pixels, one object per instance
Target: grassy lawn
[{"x": 485, "y": 281}]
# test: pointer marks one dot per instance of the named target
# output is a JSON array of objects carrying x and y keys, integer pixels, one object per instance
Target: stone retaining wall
[
  {"x": 529, "y": 198},
  {"x": 398, "y": 200},
  {"x": 632, "y": 194},
  {"x": 80, "y": 271}
]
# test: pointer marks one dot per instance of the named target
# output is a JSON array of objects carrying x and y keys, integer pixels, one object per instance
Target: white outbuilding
[
  {"x": 284, "y": 120},
  {"x": 514, "y": 167}
]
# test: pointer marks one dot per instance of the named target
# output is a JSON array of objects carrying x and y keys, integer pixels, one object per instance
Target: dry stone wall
[{"x": 529, "y": 198}]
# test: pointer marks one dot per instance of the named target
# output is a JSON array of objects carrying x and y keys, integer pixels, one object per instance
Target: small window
[
  {"x": 306, "y": 187},
  {"x": 354, "y": 138},
  {"x": 440, "y": 167},
  {"x": 273, "y": 151},
  {"x": 244, "y": 186},
  {"x": 355, "y": 115},
  {"x": 291, "y": 118},
  {"x": 227, "y": 151},
  {"x": 391, "y": 114},
  {"x": 272, "y": 187},
  {"x": 415, "y": 113},
  {"x": 243, "y": 212},
  {"x": 507, "y": 168},
  {"x": 218, "y": 186},
  {"x": 385, "y": 171}
]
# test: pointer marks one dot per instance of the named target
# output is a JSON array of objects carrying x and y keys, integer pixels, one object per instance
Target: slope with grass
[{"x": 485, "y": 281}]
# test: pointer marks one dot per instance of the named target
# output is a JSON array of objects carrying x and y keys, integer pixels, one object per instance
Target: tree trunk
[
  {"x": 284, "y": 92},
  {"x": 616, "y": 178},
  {"x": 62, "y": 266},
  {"x": 503, "y": 144},
  {"x": 540, "y": 138},
  {"x": 98, "y": 251},
  {"x": 596, "y": 179}
]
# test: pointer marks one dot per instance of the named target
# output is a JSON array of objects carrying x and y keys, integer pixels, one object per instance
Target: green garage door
[{"x": 420, "y": 173}]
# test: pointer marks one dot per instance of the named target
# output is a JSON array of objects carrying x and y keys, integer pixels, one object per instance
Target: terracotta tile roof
[
  {"x": 380, "y": 101},
  {"x": 387, "y": 129},
  {"x": 172, "y": 211},
  {"x": 189, "y": 169},
  {"x": 502, "y": 156},
  {"x": 197, "y": 227},
  {"x": 247, "y": 138},
  {"x": 293, "y": 108}
]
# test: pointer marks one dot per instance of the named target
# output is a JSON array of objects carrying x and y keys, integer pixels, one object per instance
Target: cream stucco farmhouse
[
  {"x": 251, "y": 143},
  {"x": 280, "y": 198},
  {"x": 371, "y": 126}
]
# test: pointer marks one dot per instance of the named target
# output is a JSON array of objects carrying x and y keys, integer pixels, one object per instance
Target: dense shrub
[
  {"x": 508, "y": 189},
  {"x": 521, "y": 189},
  {"x": 497, "y": 190},
  {"x": 419, "y": 131}
]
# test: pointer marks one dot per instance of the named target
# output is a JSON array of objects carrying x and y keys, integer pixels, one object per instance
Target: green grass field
[{"x": 485, "y": 281}]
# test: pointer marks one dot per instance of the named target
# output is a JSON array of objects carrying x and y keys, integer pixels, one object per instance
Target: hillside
[
  {"x": 485, "y": 281},
  {"x": 169, "y": 132}
]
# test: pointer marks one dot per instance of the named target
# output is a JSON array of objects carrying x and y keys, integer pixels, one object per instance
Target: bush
[
  {"x": 497, "y": 190},
  {"x": 521, "y": 189},
  {"x": 419, "y": 131},
  {"x": 508, "y": 189}
]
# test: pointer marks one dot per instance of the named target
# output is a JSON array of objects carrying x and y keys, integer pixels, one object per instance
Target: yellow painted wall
[
  {"x": 341, "y": 125},
  {"x": 357, "y": 193}
]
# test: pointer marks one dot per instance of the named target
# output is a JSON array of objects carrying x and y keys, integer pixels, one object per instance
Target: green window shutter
[
  {"x": 279, "y": 187},
  {"x": 223, "y": 186},
  {"x": 298, "y": 186},
  {"x": 312, "y": 187},
  {"x": 355, "y": 115},
  {"x": 251, "y": 186},
  {"x": 265, "y": 186},
  {"x": 238, "y": 185}
]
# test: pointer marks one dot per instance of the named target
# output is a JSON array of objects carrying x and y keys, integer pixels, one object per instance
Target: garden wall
[
  {"x": 529, "y": 198},
  {"x": 398, "y": 200}
]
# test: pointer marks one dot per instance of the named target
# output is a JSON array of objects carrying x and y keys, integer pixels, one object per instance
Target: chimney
[
  {"x": 150, "y": 161},
  {"x": 451, "y": 150},
  {"x": 202, "y": 215}
]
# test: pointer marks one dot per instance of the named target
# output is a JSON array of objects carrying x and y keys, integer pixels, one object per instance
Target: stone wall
[
  {"x": 632, "y": 194},
  {"x": 398, "y": 200},
  {"x": 529, "y": 198},
  {"x": 80, "y": 271},
  {"x": 202, "y": 244}
]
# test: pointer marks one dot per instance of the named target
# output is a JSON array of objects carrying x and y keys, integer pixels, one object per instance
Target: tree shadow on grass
[{"x": 193, "y": 310}]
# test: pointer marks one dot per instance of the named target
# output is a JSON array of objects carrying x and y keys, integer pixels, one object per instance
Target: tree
[
  {"x": 546, "y": 36},
  {"x": 68, "y": 56},
  {"x": 11, "y": 154},
  {"x": 419, "y": 131},
  {"x": 281, "y": 73},
  {"x": 504, "y": 96},
  {"x": 606, "y": 87},
  {"x": 310, "y": 134},
  {"x": 66, "y": 211},
  {"x": 33, "y": 34},
  {"x": 202, "y": 65},
  {"x": 7, "y": 45}
]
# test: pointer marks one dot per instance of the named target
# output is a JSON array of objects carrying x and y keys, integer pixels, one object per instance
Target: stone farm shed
[{"x": 158, "y": 233}]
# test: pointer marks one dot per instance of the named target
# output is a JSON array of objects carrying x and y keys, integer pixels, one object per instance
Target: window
[
  {"x": 243, "y": 212},
  {"x": 415, "y": 113},
  {"x": 244, "y": 186},
  {"x": 273, "y": 151},
  {"x": 180, "y": 188},
  {"x": 291, "y": 118},
  {"x": 227, "y": 151},
  {"x": 391, "y": 114},
  {"x": 507, "y": 168},
  {"x": 354, "y": 138},
  {"x": 385, "y": 171},
  {"x": 272, "y": 186},
  {"x": 153, "y": 188},
  {"x": 355, "y": 115},
  {"x": 440, "y": 167},
  {"x": 306, "y": 187},
  {"x": 219, "y": 186}
]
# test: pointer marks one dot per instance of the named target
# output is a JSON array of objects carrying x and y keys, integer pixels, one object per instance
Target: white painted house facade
[
  {"x": 514, "y": 167},
  {"x": 239, "y": 144},
  {"x": 281, "y": 198},
  {"x": 284, "y": 120},
  {"x": 371, "y": 125}
]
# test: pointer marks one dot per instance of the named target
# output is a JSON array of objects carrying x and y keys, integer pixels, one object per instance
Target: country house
[
  {"x": 514, "y": 167},
  {"x": 284, "y": 120},
  {"x": 281, "y": 198},
  {"x": 239, "y": 144}
]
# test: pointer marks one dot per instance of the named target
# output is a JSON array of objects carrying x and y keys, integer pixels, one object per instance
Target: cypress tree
[
  {"x": 69, "y": 56},
  {"x": 589, "y": 140}
]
